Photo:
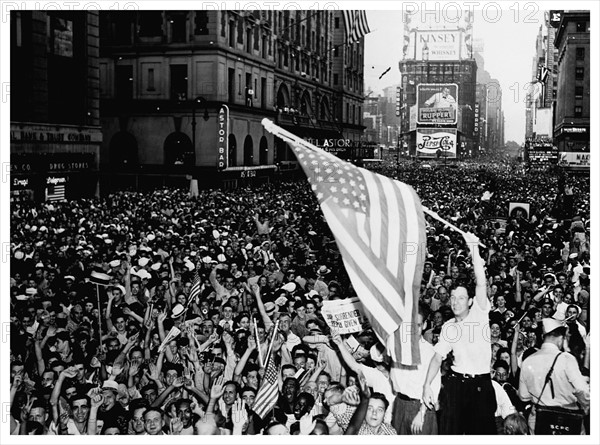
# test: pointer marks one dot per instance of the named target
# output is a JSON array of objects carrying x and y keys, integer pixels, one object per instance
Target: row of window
[{"x": 121, "y": 28}]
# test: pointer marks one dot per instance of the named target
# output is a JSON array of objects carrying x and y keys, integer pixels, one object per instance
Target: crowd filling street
[{"x": 162, "y": 313}]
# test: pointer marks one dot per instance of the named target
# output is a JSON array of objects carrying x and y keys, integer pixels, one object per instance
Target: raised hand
[
  {"x": 176, "y": 426},
  {"x": 133, "y": 339},
  {"x": 336, "y": 338},
  {"x": 351, "y": 396},
  {"x": 70, "y": 372},
  {"x": 213, "y": 337},
  {"x": 197, "y": 409},
  {"x": 227, "y": 338},
  {"x": 97, "y": 400},
  {"x": 153, "y": 372},
  {"x": 17, "y": 380},
  {"x": 307, "y": 424},
  {"x": 217, "y": 389},
  {"x": 178, "y": 382},
  {"x": 117, "y": 369},
  {"x": 251, "y": 343},
  {"x": 133, "y": 369},
  {"x": 162, "y": 316},
  {"x": 239, "y": 415}
]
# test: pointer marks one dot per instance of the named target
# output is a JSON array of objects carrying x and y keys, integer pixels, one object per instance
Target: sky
[{"x": 509, "y": 47}]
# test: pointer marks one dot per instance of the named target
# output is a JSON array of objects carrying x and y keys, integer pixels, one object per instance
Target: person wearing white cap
[{"x": 551, "y": 378}]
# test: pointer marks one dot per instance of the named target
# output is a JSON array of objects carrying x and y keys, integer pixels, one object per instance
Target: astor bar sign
[{"x": 222, "y": 137}]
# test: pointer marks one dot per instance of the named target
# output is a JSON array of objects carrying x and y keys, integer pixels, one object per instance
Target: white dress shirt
[{"x": 469, "y": 339}]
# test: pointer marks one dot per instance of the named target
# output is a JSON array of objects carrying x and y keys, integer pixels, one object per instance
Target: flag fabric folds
[
  {"x": 195, "y": 290},
  {"x": 356, "y": 26},
  {"x": 379, "y": 226},
  {"x": 266, "y": 398}
]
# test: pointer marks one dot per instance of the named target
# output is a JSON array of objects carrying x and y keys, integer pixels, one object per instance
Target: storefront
[{"x": 53, "y": 162}]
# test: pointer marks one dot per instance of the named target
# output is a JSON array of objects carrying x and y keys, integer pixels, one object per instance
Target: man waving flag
[{"x": 379, "y": 227}]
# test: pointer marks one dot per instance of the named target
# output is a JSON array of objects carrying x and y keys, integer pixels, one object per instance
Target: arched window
[
  {"x": 179, "y": 150},
  {"x": 263, "y": 151},
  {"x": 232, "y": 151},
  {"x": 283, "y": 96},
  {"x": 123, "y": 150},
  {"x": 305, "y": 104},
  {"x": 325, "y": 111},
  {"x": 248, "y": 151}
]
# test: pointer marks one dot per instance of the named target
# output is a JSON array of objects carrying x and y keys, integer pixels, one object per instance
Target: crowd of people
[{"x": 162, "y": 313}]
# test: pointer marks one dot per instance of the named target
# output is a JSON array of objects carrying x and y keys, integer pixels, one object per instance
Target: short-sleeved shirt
[{"x": 469, "y": 340}]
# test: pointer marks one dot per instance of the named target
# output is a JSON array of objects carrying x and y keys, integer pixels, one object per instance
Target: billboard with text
[
  {"x": 437, "y": 103},
  {"x": 436, "y": 143}
]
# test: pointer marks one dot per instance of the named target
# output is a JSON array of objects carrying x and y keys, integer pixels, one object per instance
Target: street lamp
[{"x": 197, "y": 100}]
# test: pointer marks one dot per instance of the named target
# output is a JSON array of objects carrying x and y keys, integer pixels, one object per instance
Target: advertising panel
[
  {"x": 541, "y": 152},
  {"x": 436, "y": 143},
  {"x": 437, "y": 103},
  {"x": 574, "y": 159},
  {"x": 436, "y": 44}
]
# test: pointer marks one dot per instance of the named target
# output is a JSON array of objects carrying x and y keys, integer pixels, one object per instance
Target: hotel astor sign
[{"x": 222, "y": 137}]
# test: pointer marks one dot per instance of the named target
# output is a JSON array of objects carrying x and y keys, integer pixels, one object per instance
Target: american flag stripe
[
  {"x": 361, "y": 261},
  {"x": 355, "y": 25},
  {"x": 195, "y": 290},
  {"x": 55, "y": 193},
  {"x": 268, "y": 392}
]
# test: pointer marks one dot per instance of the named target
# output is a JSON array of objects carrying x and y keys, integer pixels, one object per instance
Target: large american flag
[
  {"x": 379, "y": 227},
  {"x": 266, "y": 398},
  {"x": 355, "y": 24}
]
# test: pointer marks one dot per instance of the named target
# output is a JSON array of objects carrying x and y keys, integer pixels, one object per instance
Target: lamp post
[
  {"x": 398, "y": 158},
  {"x": 197, "y": 100}
]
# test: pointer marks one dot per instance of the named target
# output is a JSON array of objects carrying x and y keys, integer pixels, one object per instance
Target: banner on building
[
  {"x": 437, "y": 103},
  {"x": 518, "y": 210},
  {"x": 476, "y": 119},
  {"x": 223, "y": 138},
  {"x": 436, "y": 143},
  {"x": 574, "y": 159},
  {"x": 344, "y": 316}
]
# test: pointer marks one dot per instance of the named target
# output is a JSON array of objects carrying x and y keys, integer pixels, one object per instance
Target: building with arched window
[{"x": 184, "y": 92}]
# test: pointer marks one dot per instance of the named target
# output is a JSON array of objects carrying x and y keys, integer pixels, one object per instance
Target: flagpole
[
  {"x": 293, "y": 139},
  {"x": 99, "y": 314},
  {"x": 449, "y": 224},
  {"x": 260, "y": 360},
  {"x": 272, "y": 341}
]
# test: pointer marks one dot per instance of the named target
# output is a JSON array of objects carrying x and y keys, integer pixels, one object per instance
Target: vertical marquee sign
[{"x": 223, "y": 137}]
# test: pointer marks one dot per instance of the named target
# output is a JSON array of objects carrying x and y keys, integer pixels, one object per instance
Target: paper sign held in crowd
[{"x": 344, "y": 316}]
